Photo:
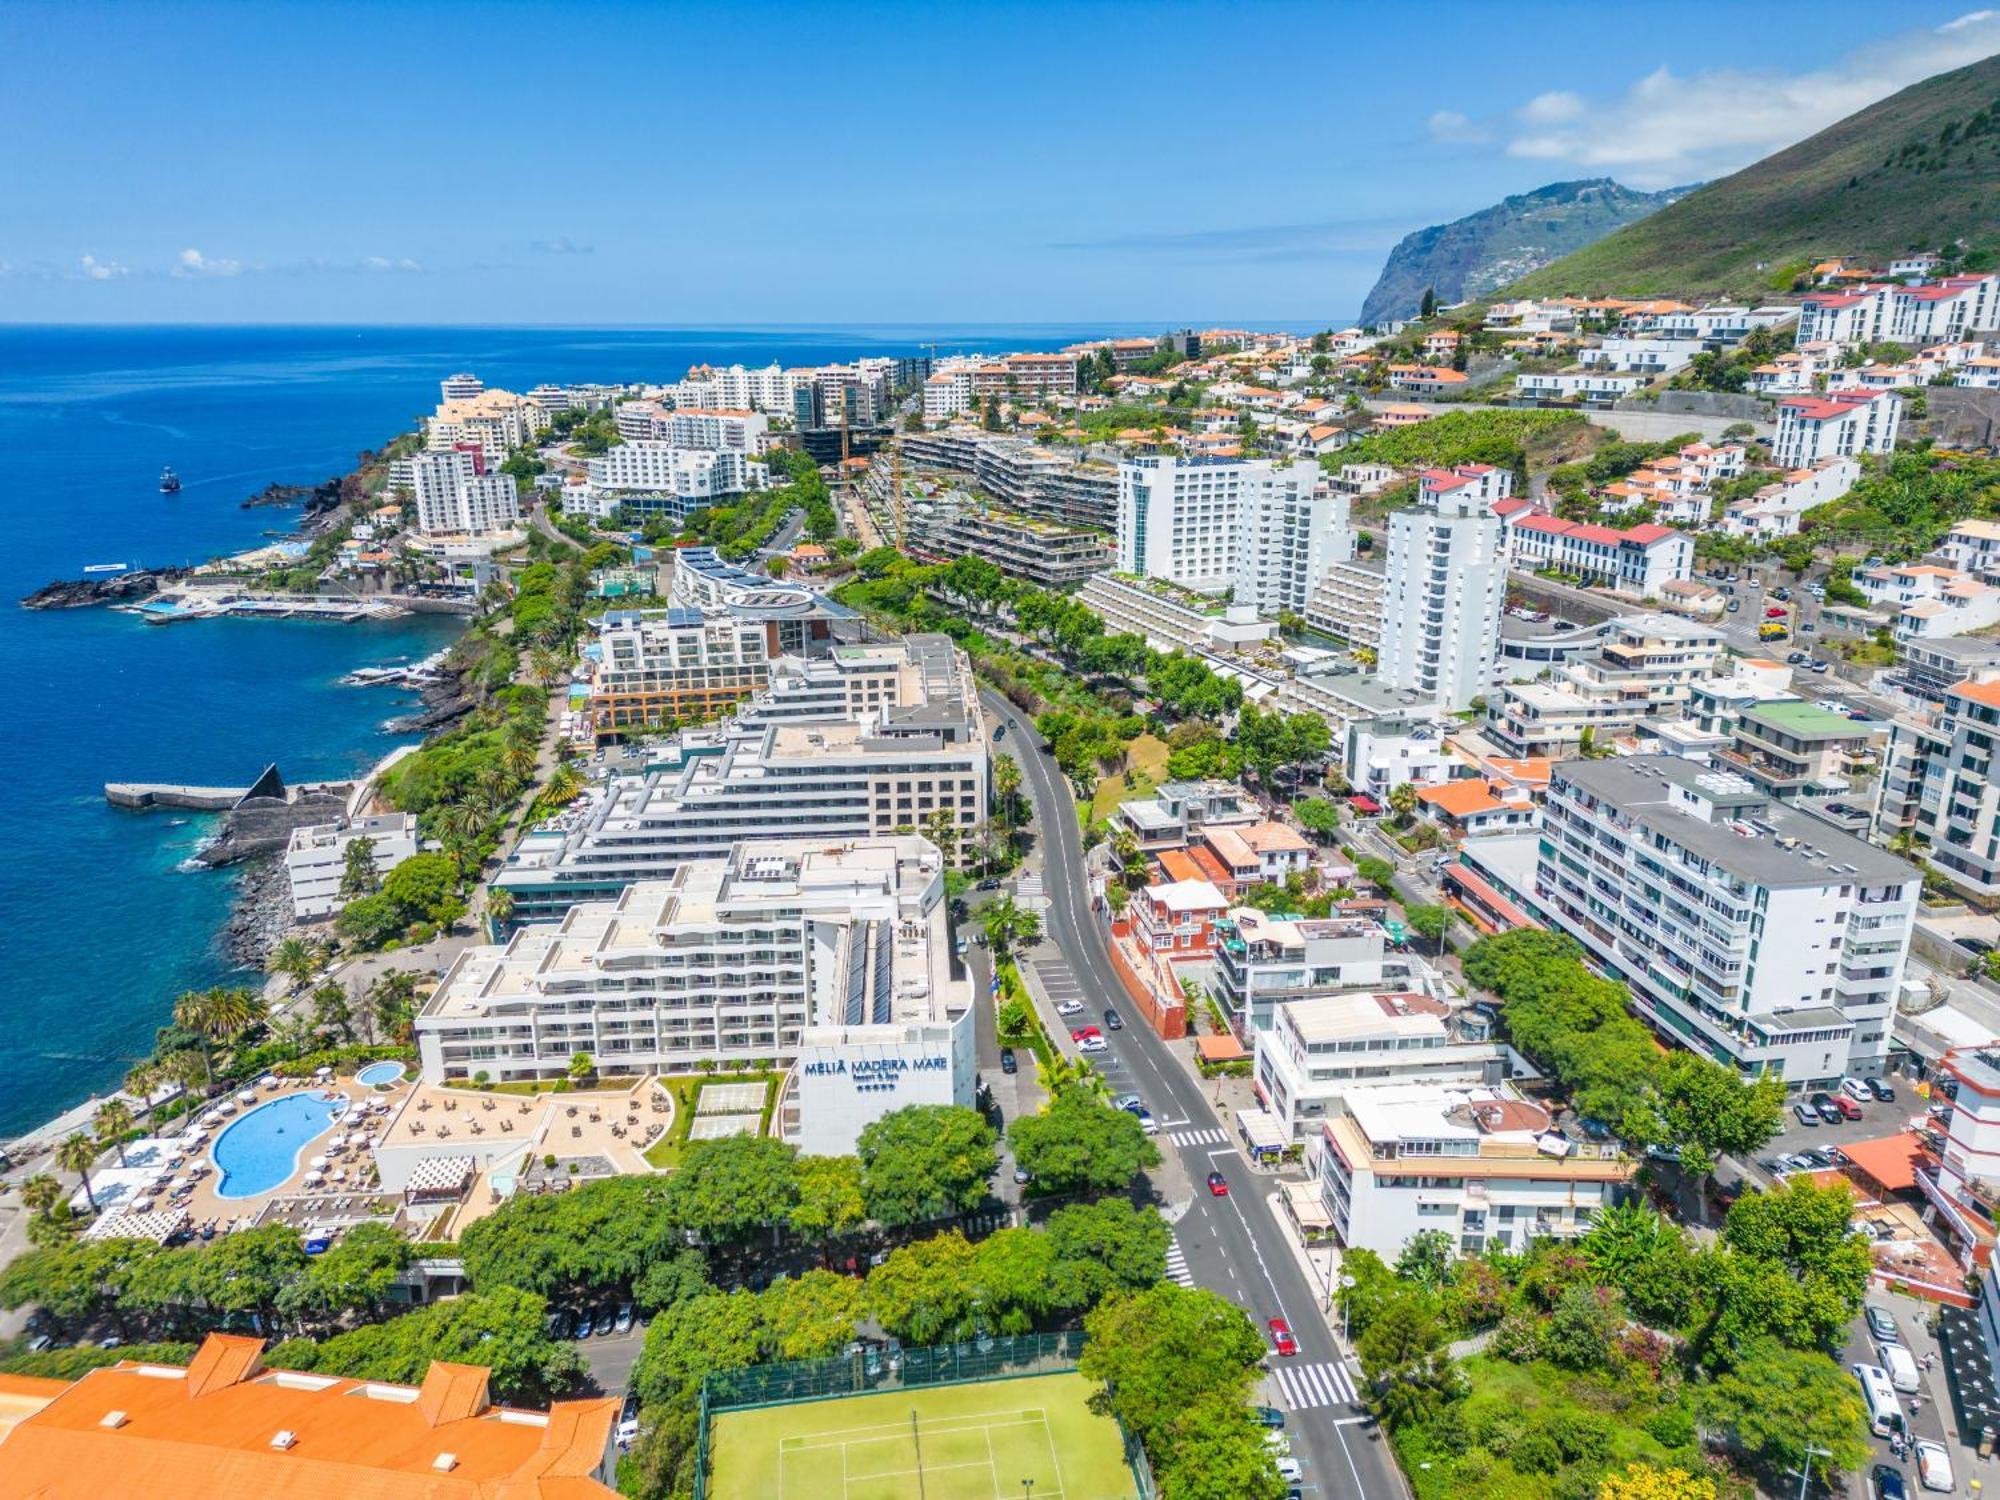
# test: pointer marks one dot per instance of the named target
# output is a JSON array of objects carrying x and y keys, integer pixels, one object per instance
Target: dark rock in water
[
  {"x": 263, "y": 825},
  {"x": 261, "y": 916},
  {"x": 108, "y": 588},
  {"x": 447, "y": 699},
  {"x": 316, "y": 498}
]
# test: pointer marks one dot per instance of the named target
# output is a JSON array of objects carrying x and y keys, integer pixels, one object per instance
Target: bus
[{"x": 1885, "y": 1412}]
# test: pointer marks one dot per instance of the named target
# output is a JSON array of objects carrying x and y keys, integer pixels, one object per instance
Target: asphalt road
[{"x": 1232, "y": 1245}]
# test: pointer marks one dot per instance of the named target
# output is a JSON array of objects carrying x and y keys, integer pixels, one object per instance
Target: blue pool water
[
  {"x": 262, "y": 1149},
  {"x": 377, "y": 1074}
]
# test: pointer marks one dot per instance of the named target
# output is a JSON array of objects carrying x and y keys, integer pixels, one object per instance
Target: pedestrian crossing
[
  {"x": 1177, "y": 1266},
  {"x": 1211, "y": 1137},
  {"x": 1029, "y": 893},
  {"x": 1302, "y": 1387}
]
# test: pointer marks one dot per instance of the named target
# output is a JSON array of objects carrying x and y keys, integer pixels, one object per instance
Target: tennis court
[{"x": 996, "y": 1440}]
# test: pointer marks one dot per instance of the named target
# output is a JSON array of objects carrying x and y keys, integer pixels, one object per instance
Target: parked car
[
  {"x": 1083, "y": 1033},
  {"x": 628, "y": 1422},
  {"x": 1127, "y": 1101},
  {"x": 1819, "y": 669},
  {"x": 623, "y": 1323},
  {"x": 1270, "y": 1416},
  {"x": 1278, "y": 1443},
  {"x": 1974, "y": 945},
  {"x": 1735, "y": 605},
  {"x": 1934, "y": 1466},
  {"x": 1849, "y": 1110},
  {"x": 1888, "y": 1484},
  {"x": 1112, "y": 1020},
  {"x": 1882, "y": 1323},
  {"x": 1882, "y": 1089},
  {"x": 1022, "y": 1176},
  {"x": 1827, "y": 1109},
  {"x": 1281, "y": 1338},
  {"x": 1785, "y": 594},
  {"x": 1146, "y": 1121},
  {"x": 1855, "y": 1089},
  {"x": 1775, "y": 612},
  {"x": 1218, "y": 1185},
  {"x": 1008, "y": 1063},
  {"x": 1069, "y": 1007},
  {"x": 1805, "y": 1114},
  {"x": 1291, "y": 1470},
  {"x": 1093, "y": 1044}
]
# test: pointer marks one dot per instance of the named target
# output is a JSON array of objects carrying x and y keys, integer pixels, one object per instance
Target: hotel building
[
  {"x": 316, "y": 858},
  {"x": 835, "y": 955},
  {"x": 1264, "y": 962}
]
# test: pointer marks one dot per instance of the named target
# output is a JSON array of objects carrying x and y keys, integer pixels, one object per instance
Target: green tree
[
  {"x": 421, "y": 886},
  {"x": 708, "y": 1334},
  {"x": 1774, "y": 1403},
  {"x": 1710, "y": 1111},
  {"x": 111, "y": 1124},
  {"x": 1426, "y": 1259},
  {"x": 1403, "y": 801},
  {"x": 358, "y": 875},
  {"x": 1008, "y": 925},
  {"x": 1410, "y": 1375},
  {"x": 1105, "y": 1246},
  {"x": 666, "y": 1284},
  {"x": 1080, "y": 1143},
  {"x": 812, "y": 1315},
  {"x": 1430, "y": 923},
  {"x": 1213, "y": 1449},
  {"x": 1317, "y": 816},
  {"x": 1162, "y": 1350},
  {"x": 598, "y": 1235},
  {"x": 926, "y": 1161},
  {"x": 727, "y": 1190},
  {"x": 581, "y": 1066},
  {"x": 355, "y": 1276},
  {"x": 1377, "y": 872},
  {"x": 295, "y": 958},
  {"x": 830, "y": 1201},
  {"x": 923, "y": 1292},
  {"x": 1428, "y": 307},
  {"x": 1580, "y": 1328}
]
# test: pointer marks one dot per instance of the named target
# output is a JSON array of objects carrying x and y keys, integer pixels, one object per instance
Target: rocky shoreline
[
  {"x": 109, "y": 588},
  {"x": 260, "y": 914}
]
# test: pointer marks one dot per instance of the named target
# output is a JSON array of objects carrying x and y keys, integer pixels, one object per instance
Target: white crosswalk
[
  {"x": 1177, "y": 1266},
  {"x": 1301, "y": 1387},
  {"x": 1197, "y": 1137}
]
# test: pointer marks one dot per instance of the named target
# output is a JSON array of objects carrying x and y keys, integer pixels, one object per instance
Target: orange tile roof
[
  {"x": 1891, "y": 1161},
  {"x": 207, "y": 1432},
  {"x": 1179, "y": 865},
  {"x": 1213, "y": 870},
  {"x": 1987, "y": 693},
  {"x": 1460, "y": 798}
]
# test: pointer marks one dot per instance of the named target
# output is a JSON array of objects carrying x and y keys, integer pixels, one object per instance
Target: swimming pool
[
  {"x": 377, "y": 1074},
  {"x": 262, "y": 1149}
]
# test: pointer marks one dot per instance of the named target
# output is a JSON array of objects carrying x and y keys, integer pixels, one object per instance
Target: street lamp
[{"x": 1804, "y": 1470}]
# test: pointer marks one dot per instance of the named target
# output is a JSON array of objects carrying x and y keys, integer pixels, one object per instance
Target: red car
[
  {"x": 1281, "y": 1338},
  {"x": 1776, "y": 612},
  {"x": 1218, "y": 1184},
  {"x": 1081, "y": 1033},
  {"x": 1849, "y": 1110}
]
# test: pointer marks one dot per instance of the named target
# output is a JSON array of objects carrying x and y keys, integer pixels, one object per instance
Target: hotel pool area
[
  {"x": 258, "y": 1152},
  {"x": 377, "y": 1075}
]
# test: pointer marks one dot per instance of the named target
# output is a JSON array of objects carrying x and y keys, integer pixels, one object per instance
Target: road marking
[
  {"x": 1306, "y": 1387},
  {"x": 1210, "y": 1137},
  {"x": 1177, "y": 1266}
]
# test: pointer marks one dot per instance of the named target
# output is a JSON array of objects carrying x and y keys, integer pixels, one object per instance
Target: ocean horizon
[{"x": 107, "y": 923}]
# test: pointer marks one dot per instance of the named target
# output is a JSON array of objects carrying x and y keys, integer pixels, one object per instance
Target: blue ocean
[{"x": 103, "y": 926}]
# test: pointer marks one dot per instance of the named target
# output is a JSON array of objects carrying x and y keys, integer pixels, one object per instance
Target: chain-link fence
[{"x": 878, "y": 1367}]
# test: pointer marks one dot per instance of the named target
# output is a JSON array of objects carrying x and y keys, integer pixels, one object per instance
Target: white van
[
  {"x": 1902, "y": 1368},
  {"x": 1885, "y": 1412}
]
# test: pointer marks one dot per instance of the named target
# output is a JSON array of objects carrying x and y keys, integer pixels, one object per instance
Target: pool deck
[{"x": 205, "y": 1205}]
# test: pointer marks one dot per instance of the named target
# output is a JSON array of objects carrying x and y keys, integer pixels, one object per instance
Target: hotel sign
[{"x": 870, "y": 1075}]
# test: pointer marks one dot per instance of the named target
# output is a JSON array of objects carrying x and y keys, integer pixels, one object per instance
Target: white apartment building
[
  {"x": 1967, "y": 1178},
  {"x": 1641, "y": 354},
  {"x": 494, "y": 422},
  {"x": 733, "y": 388},
  {"x": 1181, "y": 518},
  {"x": 316, "y": 858},
  {"x": 1346, "y": 603},
  {"x": 837, "y": 955},
  {"x": 1938, "y": 781},
  {"x": 656, "y": 666},
  {"x": 1485, "y": 1166},
  {"x": 692, "y": 477},
  {"x": 863, "y": 742},
  {"x": 1442, "y": 597},
  {"x": 1931, "y": 603},
  {"x": 948, "y": 394},
  {"x": 1974, "y": 547},
  {"x": 1775, "y": 509},
  {"x": 1171, "y": 618},
  {"x": 738, "y": 429},
  {"x": 1288, "y": 533},
  {"x": 1317, "y": 1052},
  {"x": 1748, "y": 931},
  {"x": 1638, "y": 560},
  {"x": 1643, "y": 665},
  {"x": 1481, "y": 484},
  {"x": 454, "y": 497},
  {"x": 460, "y": 387},
  {"x": 1811, "y": 428},
  {"x": 1576, "y": 385},
  {"x": 1263, "y": 962}
]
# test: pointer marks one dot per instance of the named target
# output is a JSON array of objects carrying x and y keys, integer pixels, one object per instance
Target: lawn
[
  {"x": 991, "y": 1441},
  {"x": 666, "y": 1151},
  {"x": 1145, "y": 769}
]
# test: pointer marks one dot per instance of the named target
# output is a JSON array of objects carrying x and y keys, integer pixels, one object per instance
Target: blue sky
[{"x": 611, "y": 163}]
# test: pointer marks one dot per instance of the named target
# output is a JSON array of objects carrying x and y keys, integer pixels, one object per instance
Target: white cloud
[
  {"x": 1454, "y": 129},
  {"x": 93, "y": 269},
  {"x": 1672, "y": 128},
  {"x": 1553, "y": 108},
  {"x": 384, "y": 263},
  {"x": 193, "y": 263}
]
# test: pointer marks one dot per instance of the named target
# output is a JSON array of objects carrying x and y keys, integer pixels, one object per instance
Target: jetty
[{"x": 145, "y": 794}]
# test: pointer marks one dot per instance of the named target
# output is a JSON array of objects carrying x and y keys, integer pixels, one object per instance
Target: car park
[
  {"x": 1218, "y": 1185},
  {"x": 1008, "y": 1064},
  {"x": 1093, "y": 1044},
  {"x": 1069, "y": 1007},
  {"x": 1083, "y": 1033},
  {"x": 1805, "y": 1114},
  {"x": 1281, "y": 1338},
  {"x": 1855, "y": 1089}
]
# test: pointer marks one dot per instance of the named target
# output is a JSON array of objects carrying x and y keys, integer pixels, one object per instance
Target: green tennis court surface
[{"x": 966, "y": 1442}]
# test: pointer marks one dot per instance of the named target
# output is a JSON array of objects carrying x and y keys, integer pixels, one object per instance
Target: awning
[
  {"x": 1219, "y": 1049},
  {"x": 1263, "y": 1130},
  {"x": 1307, "y": 1208},
  {"x": 1363, "y": 803},
  {"x": 1482, "y": 890},
  {"x": 1891, "y": 1161}
]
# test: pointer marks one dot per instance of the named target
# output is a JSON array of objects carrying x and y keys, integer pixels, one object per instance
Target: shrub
[
  {"x": 1671, "y": 1426},
  {"x": 1518, "y": 1338},
  {"x": 1536, "y": 1453}
]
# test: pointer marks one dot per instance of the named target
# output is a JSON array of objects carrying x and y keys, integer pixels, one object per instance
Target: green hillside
[{"x": 1917, "y": 171}]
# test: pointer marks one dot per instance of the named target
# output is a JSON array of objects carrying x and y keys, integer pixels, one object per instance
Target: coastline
[{"x": 257, "y": 907}]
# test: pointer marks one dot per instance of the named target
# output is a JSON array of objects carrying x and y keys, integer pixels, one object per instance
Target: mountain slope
[
  {"x": 1916, "y": 171},
  {"x": 1471, "y": 256}
]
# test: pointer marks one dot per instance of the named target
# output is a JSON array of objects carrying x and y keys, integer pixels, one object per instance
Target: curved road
[{"x": 1235, "y": 1245}]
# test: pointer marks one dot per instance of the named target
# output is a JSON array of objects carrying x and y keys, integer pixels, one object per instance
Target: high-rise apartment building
[{"x": 1442, "y": 597}]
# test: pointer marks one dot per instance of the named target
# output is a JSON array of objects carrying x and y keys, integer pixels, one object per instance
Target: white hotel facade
[{"x": 835, "y": 958}]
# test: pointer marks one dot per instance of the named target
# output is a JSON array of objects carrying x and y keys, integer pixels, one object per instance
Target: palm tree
[
  {"x": 500, "y": 907},
  {"x": 295, "y": 959},
  {"x": 78, "y": 1154},
  {"x": 112, "y": 1120},
  {"x": 1006, "y": 787},
  {"x": 518, "y": 759},
  {"x": 1006, "y": 923},
  {"x": 496, "y": 787},
  {"x": 294, "y": 1033},
  {"x": 143, "y": 1080},
  {"x": 564, "y": 784},
  {"x": 194, "y": 1011},
  {"x": 186, "y": 1067},
  {"x": 545, "y": 667},
  {"x": 1403, "y": 801},
  {"x": 41, "y": 1193},
  {"x": 458, "y": 821}
]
